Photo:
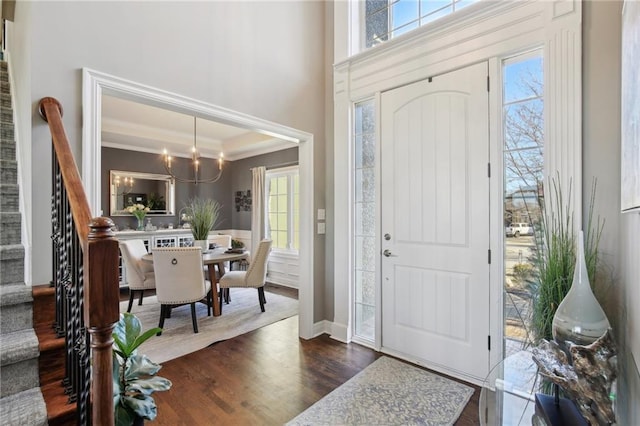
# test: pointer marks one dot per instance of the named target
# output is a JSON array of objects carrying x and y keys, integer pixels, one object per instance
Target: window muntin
[
  {"x": 385, "y": 19},
  {"x": 283, "y": 208}
]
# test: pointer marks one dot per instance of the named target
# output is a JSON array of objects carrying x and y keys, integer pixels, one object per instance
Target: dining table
[{"x": 212, "y": 259}]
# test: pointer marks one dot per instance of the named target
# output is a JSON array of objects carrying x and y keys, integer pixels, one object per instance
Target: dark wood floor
[{"x": 265, "y": 377}]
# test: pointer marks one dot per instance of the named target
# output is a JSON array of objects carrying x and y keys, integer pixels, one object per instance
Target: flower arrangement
[{"x": 139, "y": 211}]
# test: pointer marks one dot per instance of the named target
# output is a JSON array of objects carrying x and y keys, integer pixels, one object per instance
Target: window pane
[
  {"x": 405, "y": 29},
  {"x": 523, "y": 158},
  {"x": 403, "y": 12},
  {"x": 282, "y": 221},
  {"x": 282, "y": 203},
  {"x": 430, "y": 6},
  {"x": 377, "y": 27},
  {"x": 436, "y": 15},
  {"x": 524, "y": 124},
  {"x": 364, "y": 238},
  {"x": 523, "y": 80}
]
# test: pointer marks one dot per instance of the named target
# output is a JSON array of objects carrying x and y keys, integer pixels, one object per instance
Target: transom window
[
  {"x": 283, "y": 224},
  {"x": 385, "y": 19}
]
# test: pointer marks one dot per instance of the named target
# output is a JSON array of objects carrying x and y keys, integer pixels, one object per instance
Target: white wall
[
  {"x": 618, "y": 284},
  {"x": 265, "y": 59}
]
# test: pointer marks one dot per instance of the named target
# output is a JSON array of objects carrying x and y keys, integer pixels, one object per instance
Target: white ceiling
[{"x": 138, "y": 127}]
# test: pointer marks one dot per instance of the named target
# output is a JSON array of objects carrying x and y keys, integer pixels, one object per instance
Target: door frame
[
  {"x": 95, "y": 84},
  {"x": 488, "y": 32}
]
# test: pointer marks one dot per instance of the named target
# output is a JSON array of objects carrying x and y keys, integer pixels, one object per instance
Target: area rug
[
  {"x": 238, "y": 317},
  {"x": 390, "y": 392}
]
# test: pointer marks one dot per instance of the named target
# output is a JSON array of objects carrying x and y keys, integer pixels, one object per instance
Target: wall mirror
[{"x": 153, "y": 190}]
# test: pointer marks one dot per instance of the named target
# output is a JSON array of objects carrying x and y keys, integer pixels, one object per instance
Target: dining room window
[{"x": 283, "y": 208}]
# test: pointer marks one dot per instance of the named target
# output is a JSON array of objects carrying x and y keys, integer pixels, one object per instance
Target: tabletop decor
[
  {"x": 587, "y": 374},
  {"x": 139, "y": 211},
  {"x": 134, "y": 378},
  {"x": 204, "y": 214},
  {"x": 579, "y": 319}
]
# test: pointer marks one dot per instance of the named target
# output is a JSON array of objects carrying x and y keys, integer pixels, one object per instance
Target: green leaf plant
[
  {"x": 134, "y": 378},
  {"x": 556, "y": 255},
  {"x": 204, "y": 213}
]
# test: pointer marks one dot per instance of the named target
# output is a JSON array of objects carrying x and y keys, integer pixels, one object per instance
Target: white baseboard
[
  {"x": 321, "y": 327},
  {"x": 339, "y": 332}
]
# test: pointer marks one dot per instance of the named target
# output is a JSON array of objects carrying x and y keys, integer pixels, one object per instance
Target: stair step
[
  {"x": 6, "y": 114},
  {"x": 11, "y": 264},
  {"x": 17, "y": 308},
  {"x": 59, "y": 410},
  {"x": 7, "y": 137},
  {"x": 9, "y": 198},
  {"x": 5, "y": 100},
  {"x": 11, "y": 225},
  {"x": 4, "y": 75},
  {"x": 4, "y": 87},
  {"x": 8, "y": 171},
  {"x": 19, "y": 361},
  {"x": 24, "y": 408}
]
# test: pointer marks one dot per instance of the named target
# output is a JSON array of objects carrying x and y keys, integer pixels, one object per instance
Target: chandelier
[
  {"x": 195, "y": 157},
  {"x": 127, "y": 185}
]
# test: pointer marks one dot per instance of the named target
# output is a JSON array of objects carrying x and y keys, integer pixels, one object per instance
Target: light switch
[
  {"x": 321, "y": 214},
  {"x": 322, "y": 228}
]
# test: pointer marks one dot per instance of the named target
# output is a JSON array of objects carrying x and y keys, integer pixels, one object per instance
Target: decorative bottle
[{"x": 579, "y": 318}]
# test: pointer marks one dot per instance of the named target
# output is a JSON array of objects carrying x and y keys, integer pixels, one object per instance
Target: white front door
[{"x": 435, "y": 222}]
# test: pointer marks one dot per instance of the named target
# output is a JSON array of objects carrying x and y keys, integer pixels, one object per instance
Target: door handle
[{"x": 387, "y": 253}]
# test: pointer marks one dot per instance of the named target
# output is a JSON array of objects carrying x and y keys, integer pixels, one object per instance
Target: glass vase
[
  {"x": 579, "y": 318},
  {"x": 140, "y": 224}
]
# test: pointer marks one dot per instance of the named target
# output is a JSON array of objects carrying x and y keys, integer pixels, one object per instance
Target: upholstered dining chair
[
  {"x": 180, "y": 281},
  {"x": 255, "y": 276},
  {"x": 220, "y": 240},
  {"x": 139, "y": 275}
]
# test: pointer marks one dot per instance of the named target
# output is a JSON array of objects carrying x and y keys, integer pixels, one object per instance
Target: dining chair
[
  {"x": 220, "y": 240},
  {"x": 139, "y": 273},
  {"x": 255, "y": 276},
  {"x": 180, "y": 281}
]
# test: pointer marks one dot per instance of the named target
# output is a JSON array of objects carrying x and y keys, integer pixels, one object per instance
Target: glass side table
[{"x": 512, "y": 402}]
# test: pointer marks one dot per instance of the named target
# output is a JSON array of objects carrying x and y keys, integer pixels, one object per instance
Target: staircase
[{"x": 21, "y": 401}]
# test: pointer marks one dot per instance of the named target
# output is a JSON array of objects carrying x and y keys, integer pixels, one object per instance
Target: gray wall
[
  {"x": 266, "y": 59},
  {"x": 241, "y": 179},
  {"x": 120, "y": 159},
  {"x": 618, "y": 279}
]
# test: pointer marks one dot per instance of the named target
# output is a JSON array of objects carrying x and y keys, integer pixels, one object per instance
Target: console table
[{"x": 513, "y": 400}]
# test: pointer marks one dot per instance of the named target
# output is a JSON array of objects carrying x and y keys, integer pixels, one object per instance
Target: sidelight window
[
  {"x": 523, "y": 156},
  {"x": 364, "y": 205}
]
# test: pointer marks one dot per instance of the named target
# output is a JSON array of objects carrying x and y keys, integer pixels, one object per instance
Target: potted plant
[
  {"x": 556, "y": 256},
  {"x": 134, "y": 378},
  {"x": 204, "y": 214}
]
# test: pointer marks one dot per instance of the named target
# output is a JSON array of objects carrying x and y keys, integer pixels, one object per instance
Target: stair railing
[{"x": 85, "y": 276}]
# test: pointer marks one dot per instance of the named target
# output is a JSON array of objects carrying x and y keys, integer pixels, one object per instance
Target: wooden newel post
[{"x": 102, "y": 311}]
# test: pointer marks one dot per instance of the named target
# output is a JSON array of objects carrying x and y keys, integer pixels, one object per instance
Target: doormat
[{"x": 390, "y": 392}]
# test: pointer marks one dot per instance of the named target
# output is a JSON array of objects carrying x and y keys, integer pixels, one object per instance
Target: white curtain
[{"x": 258, "y": 224}]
